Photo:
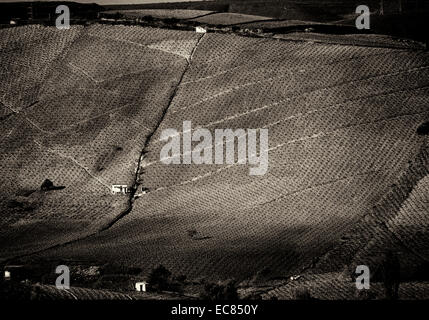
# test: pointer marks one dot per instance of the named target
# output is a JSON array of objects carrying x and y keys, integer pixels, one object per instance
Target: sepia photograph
[{"x": 215, "y": 155}]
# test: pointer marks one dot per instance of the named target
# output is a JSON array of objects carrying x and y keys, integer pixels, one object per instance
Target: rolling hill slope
[
  {"x": 73, "y": 112},
  {"x": 342, "y": 123}
]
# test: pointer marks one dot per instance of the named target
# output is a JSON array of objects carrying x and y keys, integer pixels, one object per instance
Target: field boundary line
[
  {"x": 281, "y": 196},
  {"x": 138, "y": 171},
  {"x": 376, "y": 222},
  {"x": 133, "y": 191},
  {"x": 281, "y": 55},
  {"x": 248, "y": 84},
  {"x": 80, "y": 70},
  {"x": 293, "y": 116},
  {"x": 305, "y": 138}
]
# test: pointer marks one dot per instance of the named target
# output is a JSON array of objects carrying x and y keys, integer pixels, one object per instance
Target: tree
[
  {"x": 391, "y": 270},
  {"x": 47, "y": 185},
  {"x": 13, "y": 290},
  {"x": 218, "y": 291},
  {"x": 159, "y": 278},
  {"x": 423, "y": 129}
]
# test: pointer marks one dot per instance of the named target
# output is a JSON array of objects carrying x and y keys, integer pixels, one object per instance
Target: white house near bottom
[
  {"x": 141, "y": 286},
  {"x": 200, "y": 30}
]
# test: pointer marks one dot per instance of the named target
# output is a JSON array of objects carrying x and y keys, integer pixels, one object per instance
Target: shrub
[
  {"x": 421, "y": 272},
  {"x": 113, "y": 282},
  {"x": 148, "y": 18},
  {"x": 171, "y": 21},
  {"x": 365, "y": 295},
  {"x": 47, "y": 185},
  {"x": 391, "y": 270},
  {"x": 180, "y": 278},
  {"x": 159, "y": 278},
  {"x": 423, "y": 129},
  {"x": 12, "y": 290},
  {"x": 217, "y": 291}
]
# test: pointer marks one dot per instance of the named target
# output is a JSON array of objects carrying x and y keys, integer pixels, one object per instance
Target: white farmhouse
[
  {"x": 200, "y": 30},
  {"x": 141, "y": 286},
  {"x": 119, "y": 188}
]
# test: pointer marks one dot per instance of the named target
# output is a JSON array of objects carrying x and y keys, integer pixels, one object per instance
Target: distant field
[
  {"x": 342, "y": 123},
  {"x": 409, "y": 23},
  {"x": 201, "y": 16},
  {"x": 162, "y": 14},
  {"x": 228, "y": 18},
  {"x": 369, "y": 40},
  {"x": 48, "y": 292},
  {"x": 275, "y": 24},
  {"x": 333, "y": 286}
]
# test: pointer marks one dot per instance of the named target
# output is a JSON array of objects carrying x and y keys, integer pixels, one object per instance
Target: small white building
[
  {"x": 293, "y": 278},
  {"x": 120, "y": 188},
  {"x": 200, "y": 30},
  {"x": 141, "y": 286},
  {"x": 17, "y": 270}
]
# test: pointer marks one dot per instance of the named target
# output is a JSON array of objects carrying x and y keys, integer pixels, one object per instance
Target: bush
[
  {"x": 391, "y": 271},
  {"x": 47, "y": 185},
  {"x": 421, "y": 272},
  {"x": 148, "y": 18},
  {"x": 180, "y": 278},
  {"x": 423, "y": 129},
  {"x": 171, "y": 21},
  {"x": 12, "y": 290},
  {"x": 159, "y": 278},
  {"x": 217, "y": 291},
  {"x": 365, "y": 295},
  {"x": 114, "y": 282}
]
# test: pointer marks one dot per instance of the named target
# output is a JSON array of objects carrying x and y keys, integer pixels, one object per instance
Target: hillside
[
  {"x": 73, "y": 112},
  {"x": 408, "y": 20},
  {"x": 85, "y": 108}
]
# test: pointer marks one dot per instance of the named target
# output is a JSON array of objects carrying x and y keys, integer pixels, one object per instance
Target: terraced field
[
  {"x": 77, "y": 106},
  {"x": 332, "y": 286},
  {"x": 342, "y": 123},
  {"x": 226, "y": 18},
  {"x": 162, "y": 14},
  {"x": 48, "y": 292},
  {"x": 369, "y": 40},
  {"x": 200, "y": 16}
]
